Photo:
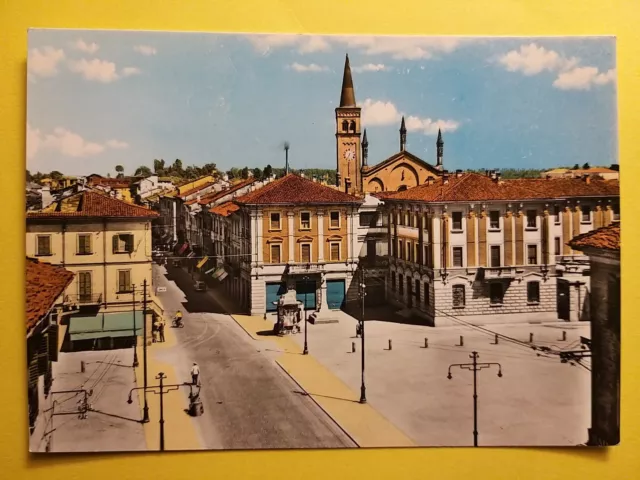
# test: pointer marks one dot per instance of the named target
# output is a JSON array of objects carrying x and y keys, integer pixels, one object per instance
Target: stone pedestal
[{"x": 323, "y": 315}]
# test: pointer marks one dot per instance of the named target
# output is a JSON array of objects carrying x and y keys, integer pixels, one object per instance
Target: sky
[{"x": 96, "y": 99}]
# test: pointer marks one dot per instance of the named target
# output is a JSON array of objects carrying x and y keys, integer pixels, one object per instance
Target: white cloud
[
  {"x": 582, "y": 78},
  {"x": 312, "y": 67},
  {"x": 376, "y": 112},
  {"x": 44, "y": 62},
  {"x": 145, "y": 50},
  {"x": 83, "y": 46},
  {"x": 97, "y": 70},
  {"x": 370, "y": 67},
  {"x": 66, "y": 142},
  {"x": 117, "y": 144},
  {"x": 265, "y": 44},
  {"x": 314, "y": 44},
  {"x": 532, "y": 59},
  {"x": 128, "y": 71}
]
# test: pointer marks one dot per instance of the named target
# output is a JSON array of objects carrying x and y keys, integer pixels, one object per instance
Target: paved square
[{"x": 539, "y": 401}]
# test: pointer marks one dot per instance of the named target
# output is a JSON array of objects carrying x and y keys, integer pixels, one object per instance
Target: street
[{"x": 249, "y": 402}]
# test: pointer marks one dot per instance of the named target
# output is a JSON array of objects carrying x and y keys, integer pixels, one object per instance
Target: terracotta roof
[
  {"x": 45, "y": 283},
  {"x": 398, "y": 155},
  {"x": 594, "y": 170},
  {"x": 293, "y": 189},
  {"x": 196, "y": 189},
  {"x": 212, "y": 197},
  {"x": 92, "y": 204},
  {"x": 476, "y": 187},
  {"x": 225, "y": 209},
  {"x": 605, "y": 238},
  {"x": 187, "y": 182}
]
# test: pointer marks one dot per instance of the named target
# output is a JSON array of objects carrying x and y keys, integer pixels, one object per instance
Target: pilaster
[
  {"x": 320, "y": 216},
  {"x": 519, "y": 236},
  {"x": 471, "y": 239},
  {"x": 291, "y": 238}
]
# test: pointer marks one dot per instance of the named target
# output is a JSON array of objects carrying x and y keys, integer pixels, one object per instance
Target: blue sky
[{"x": 101, "y": 98}]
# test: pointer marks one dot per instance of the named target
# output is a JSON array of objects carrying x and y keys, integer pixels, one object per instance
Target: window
[
  {"x": 84, "y": 244},
  {"x": 456, "y": 221},
  {"x": 556, "y": 245},
  {"x": 400, "y": 284},
  {"x": 305, "y": 253},
  {"x": 556, "y": 214},
  {"x": 457, "y": 256},
  {"x": 43, "y": 245},
  {"x": 84, "y": 286},
  {"x": 415, "y": 220},
  {"x": 425, "y": 258},
  {"x": 275, "y": 253},
  {"x": 496, "y": 293},
  {"x": 124, "y": 281},
  {"x": 334, "y": 221},
  {"x": 275, "y": 221},
  {"x": 494, "y": 219},
  {"x": 458, "y": 296},
  {"x": 368, "y": 219},
  {"x": 394, "y": 246},
  {"x": 616, "y": 212},
  {"x": 533, "y": 292},
  {"x": 427, "y": 300},
  {"x": 371, "y": 249},
  {"x": 393, "y": 282},
  {"x": 532, "y": 219},
  {"x": 345, "y": 125},
  {"x": 123, "y": 243},
  {"x": 334, "y": 254},
  {"x": 409, "y": 259},
  {"x": 417, "y": 288},
  {"x": 398, "y": 219},
  {"x": 496, "y": 261},
  {"x": 400, "y": 249},
  {"x": 305, "y": 220},
  {"x": 586, "y": 214},
  {"x": 532, "y": 254}
]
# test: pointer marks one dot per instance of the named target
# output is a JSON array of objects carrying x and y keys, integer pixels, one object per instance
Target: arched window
[
  {"x": 352, "y": 127},
  {"x": 345, "y": 126},
  {"x": 401, "y": 188}
]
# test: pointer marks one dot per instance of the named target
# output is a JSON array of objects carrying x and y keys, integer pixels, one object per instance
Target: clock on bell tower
[{"x": 348, "y": 148}]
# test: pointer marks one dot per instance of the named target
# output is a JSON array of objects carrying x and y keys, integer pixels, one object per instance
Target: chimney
[
  {"x": 445, "y": 177},
  {"x": 458, "y": 173},
  {"x": 587, "y": 178},
  {"x": 429, "y": 181},
  {"x": 286, "y": 158},
  {"x": 548, "y": 177},
  {"x": 497, "y": 177},
  {"x": 302, "y": 174}
]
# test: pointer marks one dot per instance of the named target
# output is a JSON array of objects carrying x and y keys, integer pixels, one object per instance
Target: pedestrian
[
  {"x": 195, "y": 373},
  {"x": 161, "y": 331}
]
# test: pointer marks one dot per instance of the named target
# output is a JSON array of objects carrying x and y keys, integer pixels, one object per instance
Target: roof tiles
[
  {"x": 225, "y": 209},
  {"x": 605, "y": 238},
  {"x": 45, "y": 283}
]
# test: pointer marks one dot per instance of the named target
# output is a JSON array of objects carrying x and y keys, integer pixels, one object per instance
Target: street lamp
[
  {"x": 135, "y": 333},
  {"x": 363, "y": 390},
  {"x": 305, "y": 351},
  {"x": 475, "y": 367}
]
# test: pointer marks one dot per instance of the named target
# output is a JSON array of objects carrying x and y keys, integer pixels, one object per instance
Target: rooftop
[
  {"x": 293, "y": 189},
  {"x": 45, "y": 283},
  {"x": 605, "y": 238},
  {"x": 212, "y": 197},
  {"x": 89, "y": 203},
  {"x": 475, "y": 187},
  {"x": 224, "y": 209},
  {"x": 196, "y": 189}
]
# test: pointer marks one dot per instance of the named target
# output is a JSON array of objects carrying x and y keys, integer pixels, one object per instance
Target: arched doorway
[{"x": 402, "y": 188}]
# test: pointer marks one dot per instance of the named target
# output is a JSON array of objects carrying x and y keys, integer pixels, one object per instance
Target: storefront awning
[{"x": 105, "y": 325}]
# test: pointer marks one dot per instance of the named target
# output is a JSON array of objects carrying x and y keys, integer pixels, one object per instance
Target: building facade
[
  {"x": 44, "y": 295},
  {"x": 106, "y": 243},
  {"x": 481, "y": 249}
]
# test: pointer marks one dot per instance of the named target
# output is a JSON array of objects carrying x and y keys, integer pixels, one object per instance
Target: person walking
[
  {"x": 161, "y": 331},
  {"x": 195, "y": 373}
]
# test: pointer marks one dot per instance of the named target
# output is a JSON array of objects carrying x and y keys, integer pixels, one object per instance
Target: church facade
[{"x": 401, "y": 171}]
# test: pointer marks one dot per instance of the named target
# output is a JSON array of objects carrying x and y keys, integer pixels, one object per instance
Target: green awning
[{"x": 105, "y": 325}]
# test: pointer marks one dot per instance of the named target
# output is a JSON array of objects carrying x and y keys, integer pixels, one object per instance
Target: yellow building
[
  {"x": 400, "y": 171},
  {"x": 106, "y": 243},
  {"x": 293, "y": 233}
]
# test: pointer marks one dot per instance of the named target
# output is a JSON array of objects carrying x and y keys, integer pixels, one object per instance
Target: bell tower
[{"x": 348, "y": 148}]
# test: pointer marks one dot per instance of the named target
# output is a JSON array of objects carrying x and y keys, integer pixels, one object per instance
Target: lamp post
[
  {"x": 475, "y": 367},
  {"x": 305, "y": 351},
  {"x": 145, "y": 409},
  {"x": 135, "y": 333},
  {"x": 161, "y": 389},
  {"x": 363, "y": 390}
]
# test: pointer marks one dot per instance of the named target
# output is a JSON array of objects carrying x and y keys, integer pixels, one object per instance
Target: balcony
[
  {"x": 304, "y": 268},
  {"x": 490, "y": 273},
  {"x": 377, "y": 261},
  {"x": 84, "y": 299}
]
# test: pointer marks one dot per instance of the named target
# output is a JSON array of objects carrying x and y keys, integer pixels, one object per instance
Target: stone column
[
  {"x": 320, "y": 215},
  {"x": 471, "y": 239},
  {"x": 436, "y": 245},
  {"x": 544, "y": 240},
  {"x": 598, "y": 218},
  {"x": 482, "y": 239},
  {"x": 446, "y": 232},
  {"x": 508, "y": 239},
  {"x": 519, "y": 236},
  {"x": 577, "y": 218},
  {"x": 608, "y": 216},
  {"x": 258, "y": 242},
  {"x": 291, "y": 239}
]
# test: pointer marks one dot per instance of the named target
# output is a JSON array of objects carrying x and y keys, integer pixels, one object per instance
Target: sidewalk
[
  {"x": 179, "y": 430},
  {"x": 362, "y": 423}
]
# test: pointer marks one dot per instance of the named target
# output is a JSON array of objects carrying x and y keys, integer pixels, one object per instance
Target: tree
[
  {"x": 245, "y": 173},
  {"x": 55, "y": 175},
  {"x": 142, "y": 171},
  {"x": 29, "y": 177},
  {"x": 208, "y": 169},
  {"x": 576, "y": 167},
  {"x": 120, "y": 171},
  {"x": 176, "y": 168},
  {"x": 158, "y": 166},
  {"x": 586, "y": 166},
  {"x": 257, "y": 174},
  {"x": 267, "y": 172}
]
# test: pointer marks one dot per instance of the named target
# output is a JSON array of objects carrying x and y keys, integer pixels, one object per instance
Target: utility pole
[
  {"x": 475, "y": 367},
  {"x": 363, "y": 389},
  {"x": 145, "y": 410},
  {"x": 135, "y": 332},
  {"x": 305, "y": 351}
]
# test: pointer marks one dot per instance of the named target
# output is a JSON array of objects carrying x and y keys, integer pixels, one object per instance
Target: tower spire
[
  {"x": 347, "y": 96},
  {"x": 403, "y": 135},
  {"x": 365, "y": 148},
  {"x": 440, "y": 150}
]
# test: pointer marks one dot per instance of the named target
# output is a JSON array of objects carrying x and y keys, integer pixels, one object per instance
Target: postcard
[{"x": 258, "y": 241}]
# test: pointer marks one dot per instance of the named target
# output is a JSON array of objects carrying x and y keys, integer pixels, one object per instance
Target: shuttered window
[
  {"x": 495, "y": 256},
  {"x": 532, "y": 254},
  {"x": 334, "y": 219},
  {"x": 456, "y": 223},
  {"x": 305, "y": 251},
  {"x": 84, "y": 244},
  {"x": 123, "y": 243},
  {"x": 84, "y": 285},
  {"x": 335, "y": 251},
  {"x": 457, "y": 256},
  {"x": 124, "y": 281},
  {"x": 43, "y": 246},
  {"x": 305, "y": 220},
  {"x": 275, "y": 253}
]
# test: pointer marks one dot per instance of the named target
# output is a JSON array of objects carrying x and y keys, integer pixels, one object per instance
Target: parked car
[{"x": 200, "y": 286}]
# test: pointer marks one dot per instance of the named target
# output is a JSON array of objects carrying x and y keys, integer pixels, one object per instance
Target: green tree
[
  {"x": 120, "y": 171},
  {"x": 177, "y": 167},
  {"x": 233, "y": 173},
  {"x": 267, "y": 172},
  {"x": 586, "y": 166},
  {"x": 245, "y": 173},
  {"x": 142, "y": 171},
  {"x": 158, "y": 166},
  {"x": 208, "y": 169},
  {"x": 257, "y": 174},
  {"x": 56, "y": 175},
  {"x": 576, "y": 167}
]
